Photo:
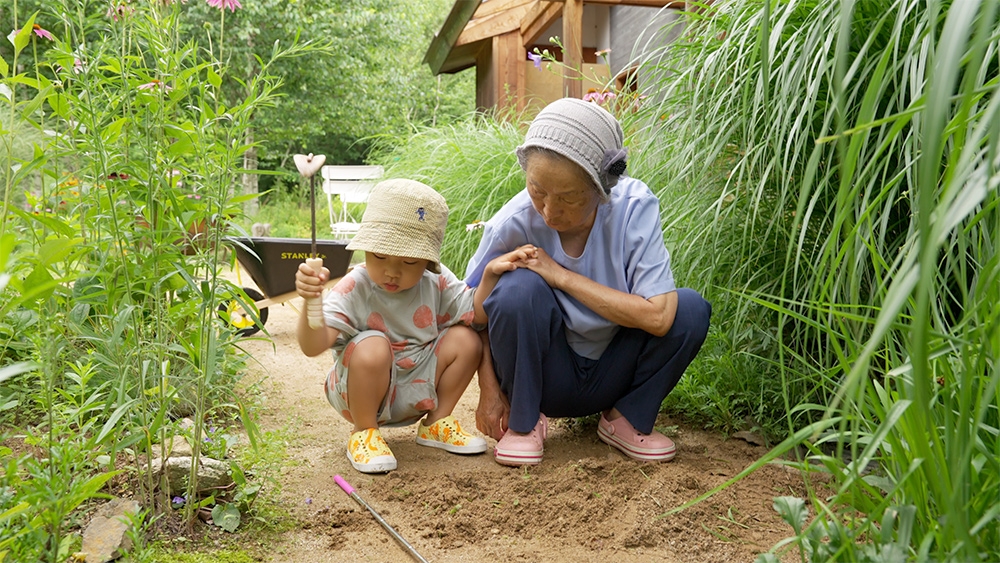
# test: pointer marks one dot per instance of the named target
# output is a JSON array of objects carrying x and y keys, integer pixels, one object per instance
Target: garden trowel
[{"x": 309, "y": 165}]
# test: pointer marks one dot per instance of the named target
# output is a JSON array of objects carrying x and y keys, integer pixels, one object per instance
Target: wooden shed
[{"x": 598, "y": 39}]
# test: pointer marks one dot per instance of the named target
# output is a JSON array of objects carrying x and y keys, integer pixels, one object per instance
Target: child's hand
[
  {"x": 517, "y": 258},
  {"x": 309, "y": 283}
]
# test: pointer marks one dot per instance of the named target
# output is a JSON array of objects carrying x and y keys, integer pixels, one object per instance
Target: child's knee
[
  {"x": 369, "y": 354},
  {"x": 463, "y": 341},
  {"x": 470, "y": 339}
]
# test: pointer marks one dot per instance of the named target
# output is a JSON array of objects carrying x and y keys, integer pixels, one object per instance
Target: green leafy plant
[
  {"x": 226, "y": 516},
  {"x": 109, "y": 262},
  {"x": 828, "y": 539}
]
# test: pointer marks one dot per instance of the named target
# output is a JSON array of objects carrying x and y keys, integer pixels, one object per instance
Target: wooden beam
[
  {"x": 541, "y": 16},
  {"x": 496, "y": 6},
  {"x": 572, "y": 48},
  {"x": 494, "y": 25},
  {"x": 444, "y": 40}
]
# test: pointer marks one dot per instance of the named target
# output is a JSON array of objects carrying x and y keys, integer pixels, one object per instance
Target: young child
[{"x": 401, "y": 328}]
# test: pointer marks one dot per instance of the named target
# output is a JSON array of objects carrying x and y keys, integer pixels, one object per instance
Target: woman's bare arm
[{"x": 654, "y": 315}]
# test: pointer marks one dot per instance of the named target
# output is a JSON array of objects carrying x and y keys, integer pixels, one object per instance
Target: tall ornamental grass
[{"x": 843, "y": 158}]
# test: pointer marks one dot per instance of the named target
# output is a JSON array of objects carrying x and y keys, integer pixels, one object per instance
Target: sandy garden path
[{"x": 584, "y": 503}]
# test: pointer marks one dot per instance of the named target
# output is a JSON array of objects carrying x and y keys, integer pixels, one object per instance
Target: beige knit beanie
[
  {"x": 403, "y": 218},
  {"x": 583, "y": 132}
]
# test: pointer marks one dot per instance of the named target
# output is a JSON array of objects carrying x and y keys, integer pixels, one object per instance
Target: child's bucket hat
[{"x": 403, "y": 218}]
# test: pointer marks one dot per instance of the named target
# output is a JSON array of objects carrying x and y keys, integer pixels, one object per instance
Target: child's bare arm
[
  {"x": 309, "y": 284},
  {"x": 514, "y": 259}
]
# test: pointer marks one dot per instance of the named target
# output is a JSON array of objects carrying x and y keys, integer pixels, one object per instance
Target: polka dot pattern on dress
[
  {"x": 423, "y": 317},
  {"x": 344, "y": 286},
  {"x": 376, "y": 322}
]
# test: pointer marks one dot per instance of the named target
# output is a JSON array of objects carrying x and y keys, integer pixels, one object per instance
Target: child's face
[
  {"x": 394, "y": 273},
  {"x": 561, "y": 193}
]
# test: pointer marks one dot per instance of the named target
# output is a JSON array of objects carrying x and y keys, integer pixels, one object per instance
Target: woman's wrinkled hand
[
  {"x": 543, "y": 265},
  {"x": 492, "y": 414},
  {"x": 309, "y": 283}
]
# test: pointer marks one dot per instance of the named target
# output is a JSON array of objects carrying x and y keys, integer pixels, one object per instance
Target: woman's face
[
  {"x": 561, "y": 193},
  {"x": 394, "y": 273}
]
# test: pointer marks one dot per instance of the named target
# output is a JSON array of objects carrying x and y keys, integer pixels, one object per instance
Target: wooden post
[
  {"x": 485, "y": 79},
  {"x": 573, "y": 48},
  {"x": 508, "y": 63}
]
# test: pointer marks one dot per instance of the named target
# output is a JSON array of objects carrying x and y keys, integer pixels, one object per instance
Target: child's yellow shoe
[
  {"x": 369, "y": 453},
  {"x": 448, "y": 435}
]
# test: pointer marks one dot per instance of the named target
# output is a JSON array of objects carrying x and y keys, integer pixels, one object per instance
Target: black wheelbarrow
[{"x": 272, "y": 263}]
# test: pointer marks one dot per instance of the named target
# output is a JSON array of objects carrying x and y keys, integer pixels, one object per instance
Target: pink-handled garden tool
[
  {"x": 308, "y": 166},
  {"x": 350, "y": 492}
]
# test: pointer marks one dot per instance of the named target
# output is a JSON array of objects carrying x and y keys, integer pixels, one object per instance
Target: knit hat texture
[
  {"x": 583, "y": 132},
  {"x": 403, "y": 218}
]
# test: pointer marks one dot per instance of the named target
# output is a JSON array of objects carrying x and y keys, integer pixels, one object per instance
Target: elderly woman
[{"x": 591, "y": 321}]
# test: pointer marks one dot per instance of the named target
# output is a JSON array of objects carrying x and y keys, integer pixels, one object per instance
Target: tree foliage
[{"x": 375, "y": 85}]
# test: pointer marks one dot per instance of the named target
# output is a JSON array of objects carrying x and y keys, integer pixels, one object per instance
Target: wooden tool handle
[{"x": 314, "y": 305}]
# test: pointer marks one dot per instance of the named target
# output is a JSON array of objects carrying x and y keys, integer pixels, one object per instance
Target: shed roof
[{"x": 471, "y": 22}]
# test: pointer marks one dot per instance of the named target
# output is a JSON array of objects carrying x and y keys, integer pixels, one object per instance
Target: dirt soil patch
[{"x": 585, "y": 502}]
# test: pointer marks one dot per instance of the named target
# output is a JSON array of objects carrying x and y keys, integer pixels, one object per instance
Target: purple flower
[
  {"x": 309, "y": 500},
  {"x": 537, "y": 59},
  {"x": 223, "y": 4},
  {"x": 42, "y": 32},
  {"x": 178, "y": 500}
]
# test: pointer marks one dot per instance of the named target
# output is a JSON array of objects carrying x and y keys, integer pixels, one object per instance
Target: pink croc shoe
[
  {"x": 644, "y": 447},
  {"x": 522, "y": 449}
]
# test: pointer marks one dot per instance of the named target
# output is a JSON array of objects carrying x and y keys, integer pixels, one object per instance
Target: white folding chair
[{"x": 351, "y": 184}]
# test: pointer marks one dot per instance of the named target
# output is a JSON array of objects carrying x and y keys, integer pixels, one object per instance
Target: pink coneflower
[
  {"x": 155, "y": 84},
  {"x": 223, "y": 4},
  {"x": 42, "y": 32},
  {"x": 598, "y": 97},
  {"x": 119, "y": 10}
]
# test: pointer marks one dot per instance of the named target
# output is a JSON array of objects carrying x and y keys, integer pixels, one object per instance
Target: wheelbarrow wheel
[{"x": 232, "y": 312}]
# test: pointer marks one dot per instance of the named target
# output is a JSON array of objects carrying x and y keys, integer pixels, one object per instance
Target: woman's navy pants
[{"x": 540, "y": 373}]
